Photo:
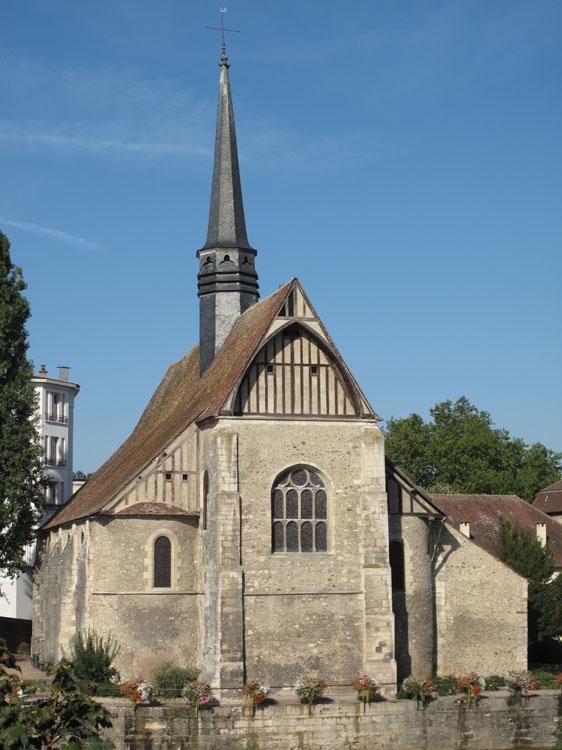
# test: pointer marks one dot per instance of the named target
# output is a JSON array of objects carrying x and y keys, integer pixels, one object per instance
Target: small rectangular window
[
  {"x": 547, "y": 499},
  {"x": 168, "y": 477},
  {"x": 184, "y": 477},
  {"x": 270, "y": 368},
  {"x": 314, "y": 370}
]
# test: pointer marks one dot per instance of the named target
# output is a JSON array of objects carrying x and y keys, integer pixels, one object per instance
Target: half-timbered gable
[
  {"x": 298, "y": 371},
  {"x": 171, "y": 478}
]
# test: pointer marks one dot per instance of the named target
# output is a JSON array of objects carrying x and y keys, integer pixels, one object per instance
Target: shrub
[
  {"x": 92, "y": 657},
  {"x": 494, "y": 682},
  {"x": 545, "y": 680},
  {"x": 444, "y": 685},
  {"x": 65, "y": 717},
  {"x": 169, "y": 677}
]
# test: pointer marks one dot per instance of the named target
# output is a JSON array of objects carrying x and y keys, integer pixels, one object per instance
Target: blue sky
[{"x": 403, "y": 159}]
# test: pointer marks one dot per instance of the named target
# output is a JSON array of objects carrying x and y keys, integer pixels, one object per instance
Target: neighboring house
[
  {"x": 479, "y": 516},
  {"x": 56, "y": 427},
  {"x": 250, "y": 525},
  {"x": 55, "y": 424},
  {"x": 549, "y": 501}
]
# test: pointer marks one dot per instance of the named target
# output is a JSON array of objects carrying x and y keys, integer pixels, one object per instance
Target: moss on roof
[{"x": 181, "y": 399}]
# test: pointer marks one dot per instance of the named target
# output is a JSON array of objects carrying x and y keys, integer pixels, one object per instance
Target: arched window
[
  {"x": 299, "y": 512},
  {"x": 162, "y": 563},
  {"x": 396, "y": 555}
]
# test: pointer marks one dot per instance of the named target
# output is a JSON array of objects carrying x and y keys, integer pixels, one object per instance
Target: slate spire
[{"x": 227, "y": 280}]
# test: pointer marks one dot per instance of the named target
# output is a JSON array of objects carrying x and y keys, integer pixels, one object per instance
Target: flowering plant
[
  {"x": 520, "y": 683},
  {"x": 197, "y": 693},
  {"x": 558, "y": 680},
  {"x": 310, "y": 688},
  {"x": 418, "y": 689},
  {"x": 367, "y": 687},
  {"x": 16, "y": 685},
  {"x": 136, "y": 691},
  {"x": 471, "y": 685},
  {"x": 256, "y": 691}
]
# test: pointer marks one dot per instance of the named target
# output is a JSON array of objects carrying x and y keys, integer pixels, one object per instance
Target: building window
[
  {"x": 547, "y": 499},
  {"x": 299, "y": 512},
  {"x": 162, "y": 563}
]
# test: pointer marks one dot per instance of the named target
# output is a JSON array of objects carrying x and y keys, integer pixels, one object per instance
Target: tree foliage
[
  {"x": 527, "y": 556},
  {"x": 535, "y": 562},
  {"x": 66, "y": 718},
  {"x": 460, "y": 450},
  {"x": 22, "y": 485}
]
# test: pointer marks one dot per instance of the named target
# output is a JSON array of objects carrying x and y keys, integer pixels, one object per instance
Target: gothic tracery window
[{"x": 299, "y": 512}]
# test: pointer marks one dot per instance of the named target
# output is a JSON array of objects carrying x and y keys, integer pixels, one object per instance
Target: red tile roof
[
  {"x": 181, "y": 398},
  {"x": 483, "y": 513},
  {"x": 549, "y": 500}
]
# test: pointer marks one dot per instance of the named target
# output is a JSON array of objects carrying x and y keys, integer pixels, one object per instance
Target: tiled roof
[
  {"x": 156, "y": 509},
  {"x": 483, "y": 513},
  {"x": 549, "y": 500},
  {"x": 181, "y": 398}
]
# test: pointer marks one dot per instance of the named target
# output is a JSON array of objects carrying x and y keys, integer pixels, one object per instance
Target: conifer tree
[{"x": 22, "y": 486}]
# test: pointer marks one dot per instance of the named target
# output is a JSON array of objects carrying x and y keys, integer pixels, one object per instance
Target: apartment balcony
[
  {"x": 59, "y": 418},
  {"x": 55, "y": 462}
]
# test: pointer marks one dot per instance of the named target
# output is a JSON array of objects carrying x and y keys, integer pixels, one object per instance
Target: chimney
[
  {"x": 465, "y": 528},
  {"x": 541, "y": 533},
  {"x": 43, "y": 370},
  {"x": 63, "y": 372}
]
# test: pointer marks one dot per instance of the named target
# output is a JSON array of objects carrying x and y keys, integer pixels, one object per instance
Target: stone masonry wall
[
  {"x": 151, "y": 625},
  {"x": 414, "y": 607},
  {"x": 481, "y": 610},
  {"x": 498, "y": 722},
  {"x": 306, "y": 612}
]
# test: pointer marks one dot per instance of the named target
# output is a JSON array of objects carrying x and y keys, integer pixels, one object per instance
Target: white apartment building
[{"x": 55, "y": 424}]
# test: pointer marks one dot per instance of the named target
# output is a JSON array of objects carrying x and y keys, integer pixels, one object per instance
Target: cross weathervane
[{"x": 224, "y": 58}]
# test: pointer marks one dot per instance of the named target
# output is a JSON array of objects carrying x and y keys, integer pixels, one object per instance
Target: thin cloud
[
  {"x": 92, "y": 143},
  {"x": 54, "y": 234}
]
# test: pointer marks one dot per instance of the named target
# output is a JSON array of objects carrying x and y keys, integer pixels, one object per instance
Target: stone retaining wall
[{"x": 498, "y": 722}]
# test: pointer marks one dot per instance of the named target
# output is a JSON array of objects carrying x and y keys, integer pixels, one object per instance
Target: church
[{"x": 251, "y": 527}]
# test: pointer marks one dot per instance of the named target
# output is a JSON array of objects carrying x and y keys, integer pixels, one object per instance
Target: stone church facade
[{"x": 251, "y": 525}]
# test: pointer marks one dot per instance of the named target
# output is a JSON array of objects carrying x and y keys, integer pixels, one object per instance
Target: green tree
[
  {"x": 65, "y": 719},
  {"x": 460, "y": 449},
  {"x": 525, "y": 555},
  {"x": 535, "y": 562},
  {"x": 22, "y": 485}
]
